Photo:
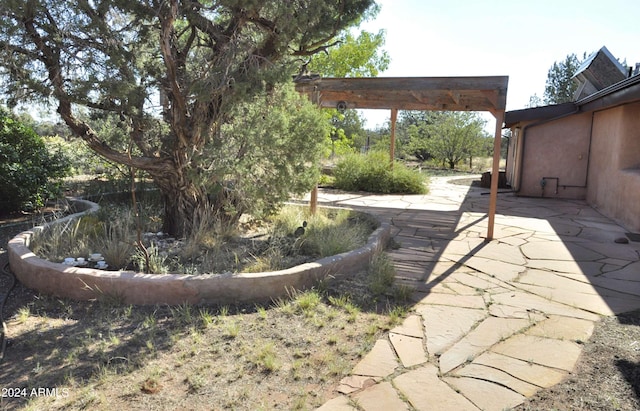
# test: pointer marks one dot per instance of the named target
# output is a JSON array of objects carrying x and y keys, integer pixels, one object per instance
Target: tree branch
[
  {"x": 178, "y": 108},
  {"x": 316, "y": 50}
]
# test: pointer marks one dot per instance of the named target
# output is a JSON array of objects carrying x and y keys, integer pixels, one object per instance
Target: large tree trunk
[
  {"x": 184, "y": 201},
  {"x": 181, "y": 209}
]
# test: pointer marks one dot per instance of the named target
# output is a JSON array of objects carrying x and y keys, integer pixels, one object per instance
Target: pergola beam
[
  {"x": 418, "y": 93},
  {"x": 410, "y": 93}
]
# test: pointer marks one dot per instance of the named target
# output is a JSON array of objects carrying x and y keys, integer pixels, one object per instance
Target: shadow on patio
[
  {"x": 493, "y": 322},
  {"x": 562, "y": 250}
]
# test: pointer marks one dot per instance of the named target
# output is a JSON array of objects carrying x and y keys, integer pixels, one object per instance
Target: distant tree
[
  {"x": 413, "y": 134},
  {"x": 456, "y": 136},
  {"x": 535, "y": 101},
  {"x": 360, "y": 56},
  {"x": 560, "y": 87},
  {"x": 351, "y": 56}
]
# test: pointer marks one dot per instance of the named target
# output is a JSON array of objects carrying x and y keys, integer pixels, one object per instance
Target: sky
[{"x": 518, "y": 38}]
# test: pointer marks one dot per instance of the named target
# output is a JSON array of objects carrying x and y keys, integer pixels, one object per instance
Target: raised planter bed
[{"x": 135, "y": 288}]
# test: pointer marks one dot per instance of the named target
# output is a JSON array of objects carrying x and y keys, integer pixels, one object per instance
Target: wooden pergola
[{"x": 417, "y": 93}]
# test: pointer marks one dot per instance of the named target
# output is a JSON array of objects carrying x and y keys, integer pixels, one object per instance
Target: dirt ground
[{"x": 607, "y": 376}]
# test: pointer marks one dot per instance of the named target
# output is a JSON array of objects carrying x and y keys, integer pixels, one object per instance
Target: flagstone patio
[{"x": 493, "y": 322}]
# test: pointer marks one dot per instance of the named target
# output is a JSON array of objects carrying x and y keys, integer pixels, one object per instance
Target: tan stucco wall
[
  {"x": 614, "y": 170},
  {"x": 558, "y": 149}
]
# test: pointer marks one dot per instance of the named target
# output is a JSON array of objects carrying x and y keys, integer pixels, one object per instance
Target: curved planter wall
[{"x": 135, "y": 288}]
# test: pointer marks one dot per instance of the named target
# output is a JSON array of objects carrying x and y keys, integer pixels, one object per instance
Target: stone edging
[{"x": 135, "y": 288}]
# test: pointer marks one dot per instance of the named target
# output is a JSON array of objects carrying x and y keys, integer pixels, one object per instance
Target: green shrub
[
  {"x": 29, "y": 174},
  {"x": 371, "y": 172}
]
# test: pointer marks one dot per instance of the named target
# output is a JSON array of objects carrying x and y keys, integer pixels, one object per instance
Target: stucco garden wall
[{"x": 135, "y": 288}]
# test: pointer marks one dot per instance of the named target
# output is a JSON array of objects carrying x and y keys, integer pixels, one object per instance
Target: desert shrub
[
  {"x": 381, "y": 274},
  {"x": 371, "y": 172},
  {"x": 270, "y": 150},
  {"x": 333, "y": 232},
  {"x": 29, "y": 173}
]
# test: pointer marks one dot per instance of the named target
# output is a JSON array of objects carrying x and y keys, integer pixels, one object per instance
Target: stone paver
[
  {"x": 379, "y": 362},
  {"x": 466, "y": 301},
  {"x": 411, "y": 327},
  {"x": 409, "y": 349},
  {"x": 355, "y": 383},
  {"x": 426, "y": 392},
  {"x": 341, "y": 403},
  {"x": 497, "y": 376},
  {"x": 560, "y": 354},
  {"x": 493, "y": 322},
  {"x": 563, "y": 328},
  {"x": 485, "y": 395},
  {"x": 532, "y": 302},
  {"x": 522, "y": 370},
  {"x": 380, "y": 397},
  {"x": 486, "y": 334},
  {"x": 444, "y": 325}
]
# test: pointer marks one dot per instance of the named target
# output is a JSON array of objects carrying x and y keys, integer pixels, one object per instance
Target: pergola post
[
  {"x": 392, "y": 148},
  {"x": 495, "y": 173},
  {"x": 313, "y": 201}
]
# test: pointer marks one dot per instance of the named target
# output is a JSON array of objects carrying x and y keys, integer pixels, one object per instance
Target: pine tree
[
  {"x": 203, "y": 60},
  {"x": 560, "y": 86}
]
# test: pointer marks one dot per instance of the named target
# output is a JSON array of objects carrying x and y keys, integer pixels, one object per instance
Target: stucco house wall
[
  {"x": 554, "y": 157},
  {"x": 614, "y": 170}
]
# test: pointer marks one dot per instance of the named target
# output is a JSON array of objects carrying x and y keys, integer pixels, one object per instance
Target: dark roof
[
  {"x": 623, "y": 92},
  {"x": 538, "y": 113}
]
